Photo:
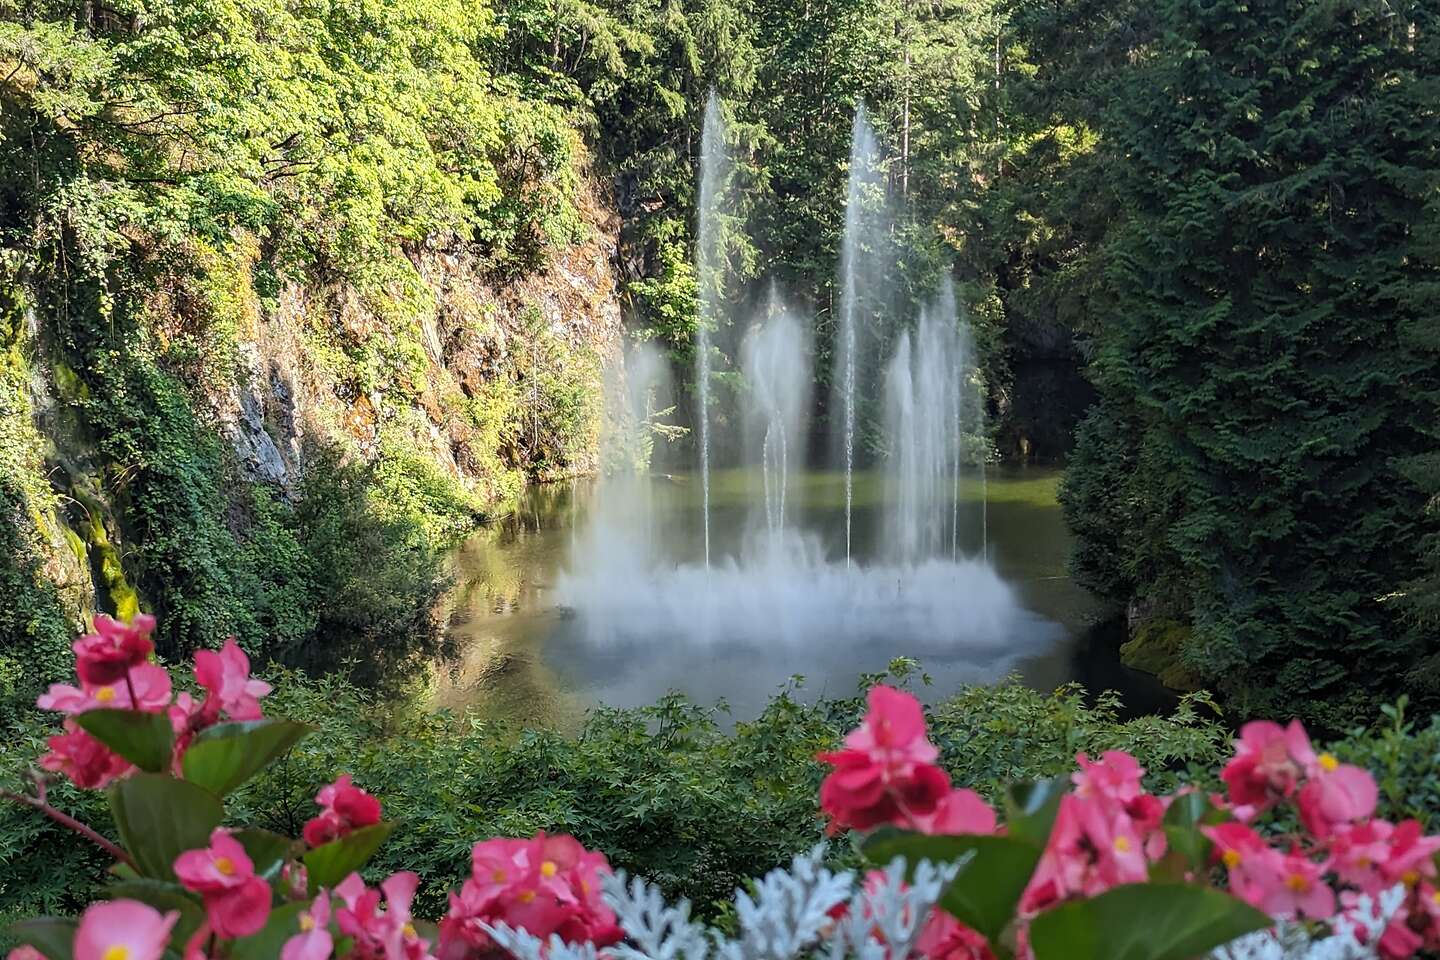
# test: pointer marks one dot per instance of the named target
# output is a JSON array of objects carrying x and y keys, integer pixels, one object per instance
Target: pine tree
[{"x": 1274, "y": 160}]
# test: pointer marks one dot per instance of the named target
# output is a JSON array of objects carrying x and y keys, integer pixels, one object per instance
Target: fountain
[
  {"x": 774, "y": 360},
  {"x": 861, "y": 278},
  {"x": 768, "y": 585},
  {"x": 709, "y": 266}
]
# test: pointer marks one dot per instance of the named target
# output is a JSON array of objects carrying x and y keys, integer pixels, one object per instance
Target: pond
[{"x": 551, "y": 615}]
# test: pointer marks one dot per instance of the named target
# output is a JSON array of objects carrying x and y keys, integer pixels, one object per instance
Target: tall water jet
[
  {"x": 709, "y": 265},
  {"x": 775, "y": 360},
  {"x": 860, "y": 274},
  {"x": 931, "y": 417}
]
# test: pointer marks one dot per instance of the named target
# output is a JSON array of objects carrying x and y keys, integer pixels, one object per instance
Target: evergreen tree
[{"x": 1262, "y": 376}]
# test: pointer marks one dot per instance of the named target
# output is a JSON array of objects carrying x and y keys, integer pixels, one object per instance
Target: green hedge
[{"x": 675, "y": 791}]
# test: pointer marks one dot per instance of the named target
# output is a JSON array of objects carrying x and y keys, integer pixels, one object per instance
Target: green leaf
[
  {"x": 994, "y": 872},
  {"x": 329, "y": 864},
  {"x": 145, "y": 739},
  {"x": 52, "y": 936},
  {"x": 1150, "y": 921},
  {"x": 266, "y": 850},
  {"x": 1187, "y": 813},
  {"x": 1030, "y": 809},
  {"x": 225, "y": 756},
  {"x": 284, "y": 923},
  {"x": 159, "y": 818},
  {"x": 163, "y": 896}
]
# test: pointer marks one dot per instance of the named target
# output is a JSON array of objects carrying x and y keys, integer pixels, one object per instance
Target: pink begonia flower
[
  {"x": 945, "y": 938},
  {"x": 344, "y": 808},
  {"x": 1357, "y": 853},
  {"x": 389, "y": 934},
  {"x": 105, "y": 656},
  {"x": 237, "y": 902},
  {"x": 1411, "y": 856},
  {"x": 226, "y": 678},
  {"x": 25, "y": 952},
  {"x": 123, "y": 930},
  {"x": 546, "y": 885},
  {"x": 886, "y": 772},
  {"x": 1116, "y": 776},
  {"x": 313, "y": 942},
  {"x": 960, "y": 811},
  {"x": 1269, "y": 763},
  {"x": 1337, "y": 793},
  {"x": 88, "y": 763},
  {"x": 1245, "y": 856},
  {"x": 1293, "y": 886},
  {"x": 150, "y": 683}
]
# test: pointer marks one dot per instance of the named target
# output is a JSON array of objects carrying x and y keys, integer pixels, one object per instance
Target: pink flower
[
  {"x": 1358, "y": 852},
  {"x": 344, "y": 808},
  {"x": 237, "y": 902},
  {"x": 123, "y": 930},
  {"x": 25, "y": 952},
  {"x": 945, "y": 938},
  {"x": 546, "y": 885},
  {"x": 1411, "y": 856},
  {"x": 226, "y": 678},
  {"x": 960, "y": 811},
  {"x": 1292, "y": 886},
  {"x": 389, "y": 934},
  {"x": 1337, "y": 794},
  {"x": 1246, "y": 857},
  {"x": 1116, "y": 776},
  {"x": 313, "y": 942},
  {"x": 886, "y": 773},
  {"x": 105, "y": 656},
  {"x": 150, "y": 683},
  {"x": 86, "y": 761},
  {"x": 1268, "y": 765}
]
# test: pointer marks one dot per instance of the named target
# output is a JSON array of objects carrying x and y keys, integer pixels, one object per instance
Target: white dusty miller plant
[
  {"x": 790, "y": 917},
  {"x": 1355, "y": 937}
]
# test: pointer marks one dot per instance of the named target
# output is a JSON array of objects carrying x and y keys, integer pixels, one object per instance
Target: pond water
[{"x": 550, "y": 619}]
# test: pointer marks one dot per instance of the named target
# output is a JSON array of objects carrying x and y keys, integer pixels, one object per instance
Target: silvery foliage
[
  {"x": 1354, "y": 936},
  {"x": 788, "y": 916}
]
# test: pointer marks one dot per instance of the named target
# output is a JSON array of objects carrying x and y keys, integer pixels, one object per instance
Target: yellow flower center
[
  {"x": 1122, "y": 844},
  {"x": 548, "y": 869},
  {"x": 408, "y": 930},
  {"x": 498, "y": 876},
  {"x": 1327, "y": 762},
  {"x": 1364, "y": 863},
  {"x": 527, "y": 896},
  {"x": 1231, "y": 858},
  {"x": 1410, "y": 878},
  {"x": 116, "y": 952},
  {"x": 307, "y": 923},
  {"x": 105, "y": 694},
  {"x": 1297, "y": 882},
  {"x": 225, "y": 865}
]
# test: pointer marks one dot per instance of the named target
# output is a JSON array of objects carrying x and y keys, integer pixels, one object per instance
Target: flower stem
[{"x": 65, "y": 820}]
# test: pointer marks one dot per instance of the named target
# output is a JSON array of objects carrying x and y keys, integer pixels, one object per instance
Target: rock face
[{"x": 465, "y": 362}]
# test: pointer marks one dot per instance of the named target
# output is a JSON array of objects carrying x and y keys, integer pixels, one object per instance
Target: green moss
[{"x": 1158, "y": 647}]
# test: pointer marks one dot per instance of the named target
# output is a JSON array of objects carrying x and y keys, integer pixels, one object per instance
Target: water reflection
[{"x": 524, "y": 656}]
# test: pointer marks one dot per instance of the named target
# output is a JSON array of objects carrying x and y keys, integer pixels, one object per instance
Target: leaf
[
  {"x": 1147, "y": 921},
  {"x": 52, "y": 936},
  {"x": 145, "y": 739},
  {"x": 283, "y": 923},
  {"x": 327, "y": 865},
  {"x": 266, "y": 850},
  {"x": 163, "y": 896},
  {"x": 1182, "y": 823},
  {"x": 992, "y": 877},
  {"x": 228, "y": 754},
  {"x": 1030, "y": 809},
  {"x": 160, "y": 817}
]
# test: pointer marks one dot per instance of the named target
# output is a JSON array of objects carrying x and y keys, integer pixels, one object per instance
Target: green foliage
[{"x": 1262, "y": 381}]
